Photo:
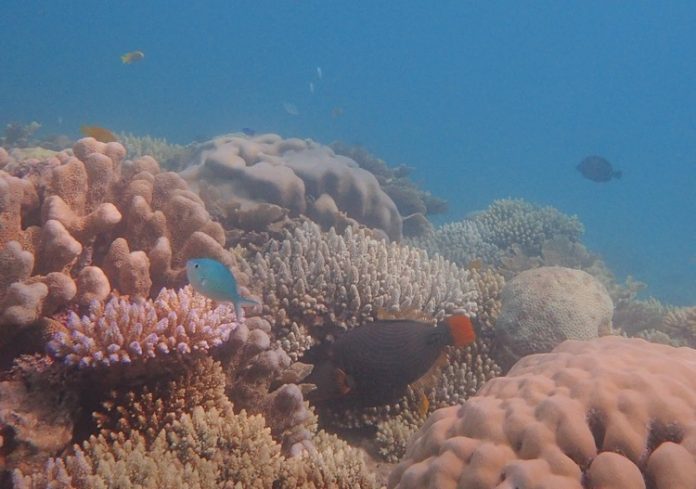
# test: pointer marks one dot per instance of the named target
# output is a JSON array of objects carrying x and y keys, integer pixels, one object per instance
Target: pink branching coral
[{"x": 121, "y": 331}]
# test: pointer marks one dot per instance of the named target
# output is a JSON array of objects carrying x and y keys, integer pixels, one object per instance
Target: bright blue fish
[{"x": 214, "y": 280}]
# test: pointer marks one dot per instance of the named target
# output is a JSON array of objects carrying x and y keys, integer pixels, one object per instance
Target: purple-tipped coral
[{"x": 122, "y": 331}]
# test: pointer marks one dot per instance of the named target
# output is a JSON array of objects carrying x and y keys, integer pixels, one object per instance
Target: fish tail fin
[
  {"x": 124, "y": 59},
  {"x": 240, "y": 302},
  {"x": 461, "y": 329},
  {"x": 618, "y": 174}
]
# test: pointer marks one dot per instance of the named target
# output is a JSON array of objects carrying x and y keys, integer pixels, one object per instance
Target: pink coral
[
  {"x": 121, "y": 331},
  {"x": 607, "y": 413}
]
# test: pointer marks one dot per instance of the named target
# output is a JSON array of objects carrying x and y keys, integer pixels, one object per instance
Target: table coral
[
  {"x": 236, "y": 174},
  {"x": 610, "y": 412},
  {"x": 544, "y": 306}
]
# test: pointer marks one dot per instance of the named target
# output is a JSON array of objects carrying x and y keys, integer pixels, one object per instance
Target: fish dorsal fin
[{"x": 461, "y": 329}]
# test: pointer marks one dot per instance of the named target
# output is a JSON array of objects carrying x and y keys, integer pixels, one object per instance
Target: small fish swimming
[
  {"x": 248, "y": 131},
  {"x": 373, "y": 364},
  {"x": 214, "y": 280},
  {"x": 291, "y": 108},
  {"x": 320, "y": 74},
  {"x": 311, "y": 87},
  {"x": 101, "y": 134},
  {"x": 132, "y": 57},
  {"x": 597, "y": 169}
]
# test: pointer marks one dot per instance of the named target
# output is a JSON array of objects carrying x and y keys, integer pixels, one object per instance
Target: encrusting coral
[{"x": 609, "y": 412}]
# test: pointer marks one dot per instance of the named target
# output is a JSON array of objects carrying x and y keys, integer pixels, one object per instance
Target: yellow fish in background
[
  {"x": 132, "y": 57},
  {"x": 99, "y": 133}
]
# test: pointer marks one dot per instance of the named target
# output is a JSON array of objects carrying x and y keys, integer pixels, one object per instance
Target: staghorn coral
[
  {"x": 544, "y": 306},
  {"x": 634, "y": 316},
  {"x": 213, "y": 448},
  {"x": 313, "y": 279},
  {"x": 237, "y": 174},
  {"x": 120, "y": 331},
  {"x": 83, "y": 225},
  {"x": 610, "y": 412}
]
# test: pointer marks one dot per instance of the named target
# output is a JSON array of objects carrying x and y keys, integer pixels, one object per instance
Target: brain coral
[
  {"x": 608, "y": 413},
  {"x": 544, "y": 306},
  {"x": 238, "y": 176}
]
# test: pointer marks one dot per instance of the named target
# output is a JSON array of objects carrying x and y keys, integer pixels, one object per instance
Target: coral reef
[
  {"x": 167, "y": 154},
  {"x": 610, "y": 412},
  {"x": 313, "y": 279},
  {"x": 119, "y": 331},
  {"x": 395, "y": 181},
  {"x": 253, "y": 182},
  {"x": 545, "y": 306},
  {"x": 73, "y": 228},
  {"x": 213, "y": 448}
]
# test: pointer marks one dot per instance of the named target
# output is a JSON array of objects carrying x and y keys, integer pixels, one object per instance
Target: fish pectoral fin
[{"x": 343, "y": 382}]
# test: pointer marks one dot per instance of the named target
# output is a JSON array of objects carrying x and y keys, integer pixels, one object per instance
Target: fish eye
[{"x": 196, "y": 265}]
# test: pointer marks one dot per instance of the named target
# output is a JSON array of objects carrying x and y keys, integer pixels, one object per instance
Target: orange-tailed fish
[
  {"x": 373, "y": 364},
  {"x": 132, "y": 57},
  {"x": 214, "y": 280},
  {"x": 98, "y": 133}
]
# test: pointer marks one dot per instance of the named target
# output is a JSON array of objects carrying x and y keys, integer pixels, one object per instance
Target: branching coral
[
  {"x": 121, "y": 331},
  {"x": 610, "y": 412},
  {"x": 214, "y": 448},
  {"x": 314, "y": 279},
  {"x": 166, "y": 153}
]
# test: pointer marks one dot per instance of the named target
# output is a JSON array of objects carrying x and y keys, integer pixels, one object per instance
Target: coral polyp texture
[
  {"x": 610, "y": 412},
  {"x": 209, "y": 448},
  {"x": 74, "y": 227},
  {"x": 544, "y": 306},
  {"x": 249, "y": 182},
  {"x": 121, "y": 331},
  {"x": 313, "y": 278}
]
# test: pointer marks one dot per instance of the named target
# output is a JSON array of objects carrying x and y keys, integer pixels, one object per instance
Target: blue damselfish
[{"x": 214, "y": 280}]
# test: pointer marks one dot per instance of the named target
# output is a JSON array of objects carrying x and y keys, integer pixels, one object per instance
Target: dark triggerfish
[
  {"x": 373, "y": 364},
  {"x": 597, "y": 169}
]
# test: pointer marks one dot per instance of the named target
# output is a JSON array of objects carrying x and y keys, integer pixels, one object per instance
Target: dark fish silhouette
[
  {"x": 373, "y": 364},
  {"x": 597, "y": 169}
]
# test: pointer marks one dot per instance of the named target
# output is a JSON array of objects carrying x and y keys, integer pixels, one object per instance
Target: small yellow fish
[
  {"x": 99, "y": 133},
  {"x": 132, "y": 57}
]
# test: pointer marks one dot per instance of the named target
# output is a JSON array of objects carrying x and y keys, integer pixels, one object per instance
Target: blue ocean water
[{"x": 485, "y": 99}]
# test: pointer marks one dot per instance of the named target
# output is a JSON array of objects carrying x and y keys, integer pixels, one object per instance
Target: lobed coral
[
  {"x": 73, "y": 228},
  {"x": 244, "y": 178},
  {"x": 609, "y": 412}
]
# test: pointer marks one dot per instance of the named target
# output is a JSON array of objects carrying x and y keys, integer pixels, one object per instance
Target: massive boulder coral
[
  {"x": 607, "y": 413},
  {"x": 250, "y": 182},
  {"x": 72, "y": 228},
  {"x": 544, "y": 306}
]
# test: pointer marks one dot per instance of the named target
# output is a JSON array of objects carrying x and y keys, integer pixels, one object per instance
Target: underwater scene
[{"x": 304, "y": 244}]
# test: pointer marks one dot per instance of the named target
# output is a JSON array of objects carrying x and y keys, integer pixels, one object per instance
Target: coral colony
[{"x": 116, "y": 372}]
